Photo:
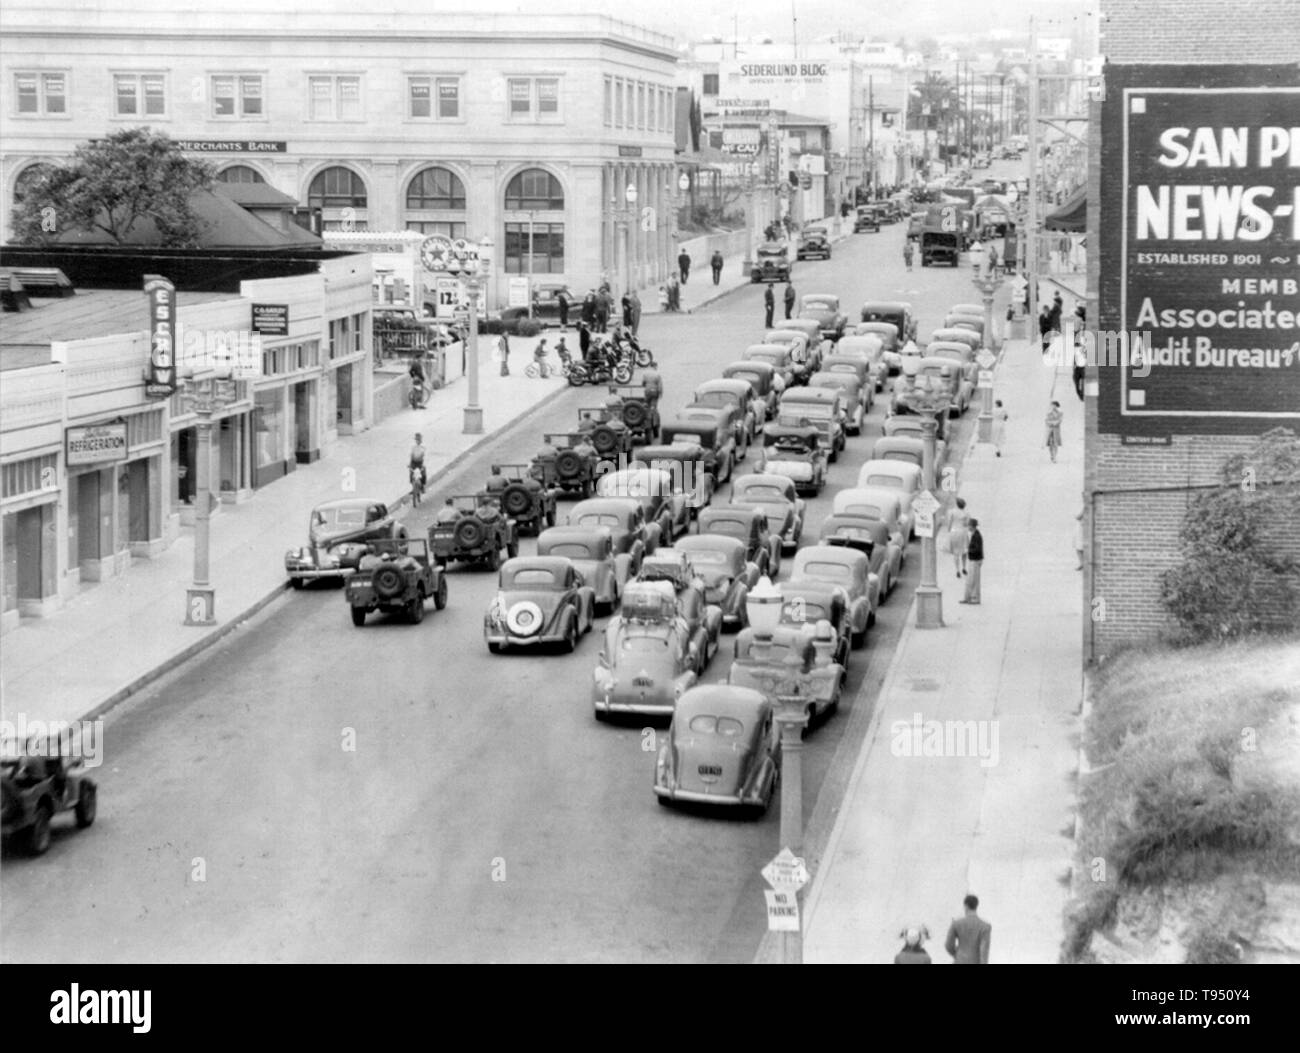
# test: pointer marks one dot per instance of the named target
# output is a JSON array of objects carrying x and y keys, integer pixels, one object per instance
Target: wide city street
[{"x": 484, "y": 814}]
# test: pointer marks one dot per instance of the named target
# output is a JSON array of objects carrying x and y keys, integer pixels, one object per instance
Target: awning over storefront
[{"x": 1071, "y": 217}]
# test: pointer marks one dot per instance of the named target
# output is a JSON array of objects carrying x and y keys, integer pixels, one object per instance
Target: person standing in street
[
  {"x": 769, "y": 305},
  {"x": 969, "y": 936},
  {"x": 907, "y": 253},
  {"x": 584, "y": 340},
  {"x": 958, "y": 535},
  {"x": 562, "y": 302},
  {"x": 589, "y": 308},
  {"x": 636, "y": 311},
  {"x": 1054, "y": 418},
  {"x": 1000, "y": 418},
  {"x": 974, "y": 563},
  {"x": 684, "y": 265},
  {"x": 715, "y": 263},
  {"x": 604, "y": 304},
  {"x": 789, "y": 298},
  {"x": 626, "y": 304}
]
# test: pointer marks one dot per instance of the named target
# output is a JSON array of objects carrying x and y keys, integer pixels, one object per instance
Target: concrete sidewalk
[
  {"x": 112, "y": 638},
  {"x": 916, "y": 833}
]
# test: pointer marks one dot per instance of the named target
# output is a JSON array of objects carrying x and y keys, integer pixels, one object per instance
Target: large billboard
[{"x": 1199, "y": 222}]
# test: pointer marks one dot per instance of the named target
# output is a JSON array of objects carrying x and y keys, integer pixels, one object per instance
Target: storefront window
[{"x": 269, "y": 426}]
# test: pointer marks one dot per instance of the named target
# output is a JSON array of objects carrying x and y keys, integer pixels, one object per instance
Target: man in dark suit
[
  {"x": 769, "y": 304},
  {"x": 968, "y": 936},
  {"x": 974, "y": 564}
]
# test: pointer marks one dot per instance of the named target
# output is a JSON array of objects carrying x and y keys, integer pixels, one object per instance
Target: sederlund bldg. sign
[{"x": 1200, "y": 249}]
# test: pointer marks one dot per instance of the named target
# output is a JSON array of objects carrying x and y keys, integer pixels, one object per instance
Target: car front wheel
[
  {"x": 38, "y": 836},
  {"x": 86, "y": 805}
]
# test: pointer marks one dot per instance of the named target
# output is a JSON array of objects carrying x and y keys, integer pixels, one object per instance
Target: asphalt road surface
[{"x": 484, "y": 814}]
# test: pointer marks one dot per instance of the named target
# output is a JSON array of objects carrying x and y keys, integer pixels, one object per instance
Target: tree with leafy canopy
[
  {"x": 112, "y": 184},
  {"x": 1233, "y": 579}
]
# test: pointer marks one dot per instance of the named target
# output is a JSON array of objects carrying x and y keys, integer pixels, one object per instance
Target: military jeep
[
  {"x": 605, "y": 430},
  {"x": 523, "y": 498},
  {"x": 396, "y": 576},
  {"x": 568, "y": 461},
  {"x": 479, "y": 533},
  {"x": 38, "y": 783},
  {"x": 640, "y": 409}
]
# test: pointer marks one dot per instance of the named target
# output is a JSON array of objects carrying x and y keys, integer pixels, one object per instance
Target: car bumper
[
  {"x": 652, "y": 706},
  {"x": 310, "y": 573},
  {"x": 795, "y": 471},
  {"x": 503, "y": 639},
  {"x": 697, "y": 797}
]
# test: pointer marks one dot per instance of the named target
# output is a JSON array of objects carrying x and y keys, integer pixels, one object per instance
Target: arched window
[
  {"x": 28, "y": 178},
  {"x": 436, "y": 189},
  {"x": 534, "y": 243},
  {"x": 240, "y": 174},
  {"x": 534, "y": 190},
  {"x": 340, "y": 194},
  {"x": 435, "y": 203}
]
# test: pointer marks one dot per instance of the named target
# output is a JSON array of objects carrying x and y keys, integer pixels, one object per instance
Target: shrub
[{"x": 528, "y": 327}]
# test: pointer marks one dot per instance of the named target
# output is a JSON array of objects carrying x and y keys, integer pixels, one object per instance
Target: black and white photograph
[{"x": 498, "y": 483}]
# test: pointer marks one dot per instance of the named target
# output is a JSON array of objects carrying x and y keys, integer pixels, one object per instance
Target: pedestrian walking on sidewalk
[
  {"x": 974, "y": 563},
  {"x": 674, "y": 293},
  {"x": 958, "y": 535},
  {"x": 913, "y": 953},
  {"x": 562, "y": 301},
  {"x": 715, "y": 263},
  {"x": 769, "y": 305},
  {"x": 503, "y": 351},
  {"x": 969, "y": 936},
  {"x": 636, "y": 311},
  {"x": 627, "y": 310},
  {"x": 789, "y": 298},
  {"x": 1000, "y": 419},
  {"x": 1078, "y": 540},
  {"x": 684, "y": 265},
  {"x": 907, "y": 253},
  {"x": 1054, "y": 418}
]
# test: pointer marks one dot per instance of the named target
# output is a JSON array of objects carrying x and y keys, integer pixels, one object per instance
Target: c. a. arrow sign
[
  {"x": 786, "y": 871},
  {"x": 986, "y": 359}
]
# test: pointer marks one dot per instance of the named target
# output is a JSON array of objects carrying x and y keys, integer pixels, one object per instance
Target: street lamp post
[
  {"x": 623, "y": 217},
  {"x": 205, "y": 395},
  {"x": 928, "y": 397},
  {"x": 987, "y": 283},
  {"x": 789, "y": 686},
  {"x": 467, "y": 264}
]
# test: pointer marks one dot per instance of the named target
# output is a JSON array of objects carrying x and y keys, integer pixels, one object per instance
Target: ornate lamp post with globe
[
  {"x": 467, "y": 262},
  {"x": 987, "y": 283},
  {"x": 929, "y": 397},
  {"x": 625, "y": 217}
]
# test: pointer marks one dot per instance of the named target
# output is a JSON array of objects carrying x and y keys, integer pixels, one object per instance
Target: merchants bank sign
[{"x": 1200, "y": 233}]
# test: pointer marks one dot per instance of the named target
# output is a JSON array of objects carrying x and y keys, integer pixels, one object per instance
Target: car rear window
[
  {"x": 571, "y": 550},
  {"x": 728, "y": 528},
  {"x": 710, "y": 558},
  {"x": 594, "y": 519},
  {"x": 763, "y": 494},
  {"x": 893, "y": 482},
  {"x": 533, "y": 576},
  {"x": 340, "y": 516},
  {"x": 799, "y": 610},
  {"x": 706, "y": 724},
  {"x": 869, "y": 511},
  {"x": 819, "y": 569}
]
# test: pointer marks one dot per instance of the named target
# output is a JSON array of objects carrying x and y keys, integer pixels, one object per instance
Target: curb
[{"x": 223, "y": 630}]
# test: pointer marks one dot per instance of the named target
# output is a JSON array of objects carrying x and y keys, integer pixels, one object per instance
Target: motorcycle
[{"x": 607, "y": 370}]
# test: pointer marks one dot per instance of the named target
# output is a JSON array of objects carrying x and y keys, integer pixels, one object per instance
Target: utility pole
[
  {"x": 1031, "y": 216},
  {"x": 871, "y": 138}
]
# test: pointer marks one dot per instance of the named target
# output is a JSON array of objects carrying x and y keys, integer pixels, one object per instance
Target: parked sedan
[
  {"x": 871, "y": 349},
  {"x": 722, "y": 748},
  {"x": 749, "y": 526},
  {"x": 546, "y": 306},
  {"x": 906, "y": 448},
  {"x": 625, "y": 520},
  {"x": 337, "y": 537},
  {"x": 663, "y": 501},
  {"x": 762, "y": 377},
  {"x": 775, "y": 496},
  {"x": 896, "y": 312},
  {"x": 853, "y": 389},
  {"x": 903, "y": 479},
  {"x": 739, "y": 395},
  {"x": 814, "y": 242},
  {"x": 871, "y": 537},
  {"x": 775, "y": 355},
  {"x": 649, "y": 658},
  {"x": 539, "y": 600},
  {"x": 591, "y": 551},
  {"x": 879, "y": 503},
  {"x": 824, "y": 309},
  {"x": 727, "y": 571},
  {"x": 847, "y": 568},
  {"x": 760, "y": 666},
  {"x": 796, "y": 453},
  {"x": 820, "y": 407}
]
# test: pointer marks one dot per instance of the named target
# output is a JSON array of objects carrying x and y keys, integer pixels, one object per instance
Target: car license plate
[
  {"x": 643, "y": 681},
  {"x": 714, "y": 770}
]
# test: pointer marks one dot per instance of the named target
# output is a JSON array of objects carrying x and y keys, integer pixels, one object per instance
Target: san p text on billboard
[{"x": 1200, "y": 238}]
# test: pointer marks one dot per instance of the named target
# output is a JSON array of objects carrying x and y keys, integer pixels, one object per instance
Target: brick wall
[{"x": 1186, "y": 31}]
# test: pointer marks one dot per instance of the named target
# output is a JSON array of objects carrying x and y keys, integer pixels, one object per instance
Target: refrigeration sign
[
  {"x": 96, "y": 443},
  {"x": 1209, "y": 289}
]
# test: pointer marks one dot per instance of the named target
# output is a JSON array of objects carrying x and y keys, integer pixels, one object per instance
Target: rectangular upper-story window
[
  {"x": 140, "y": 94},
  {"x": 533, "y": 98},
  {"x": 618, "y": 104},
  {"x": 608, "y": 109},
  {"x": 640, "y": 105},
  {"x": 40, "y": 94},
  {"x": 710, "y": 84},
  {"x": 237, "y": 95},
  {"x": 334, "y": 97},
  {"x": 433, "y": 98}
]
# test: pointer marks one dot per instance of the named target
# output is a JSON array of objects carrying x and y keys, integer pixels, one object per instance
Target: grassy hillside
[{"x": 1193, "y": 785}]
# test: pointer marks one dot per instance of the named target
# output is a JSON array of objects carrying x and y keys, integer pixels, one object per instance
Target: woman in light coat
[{"x": 958, "y": 535}]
